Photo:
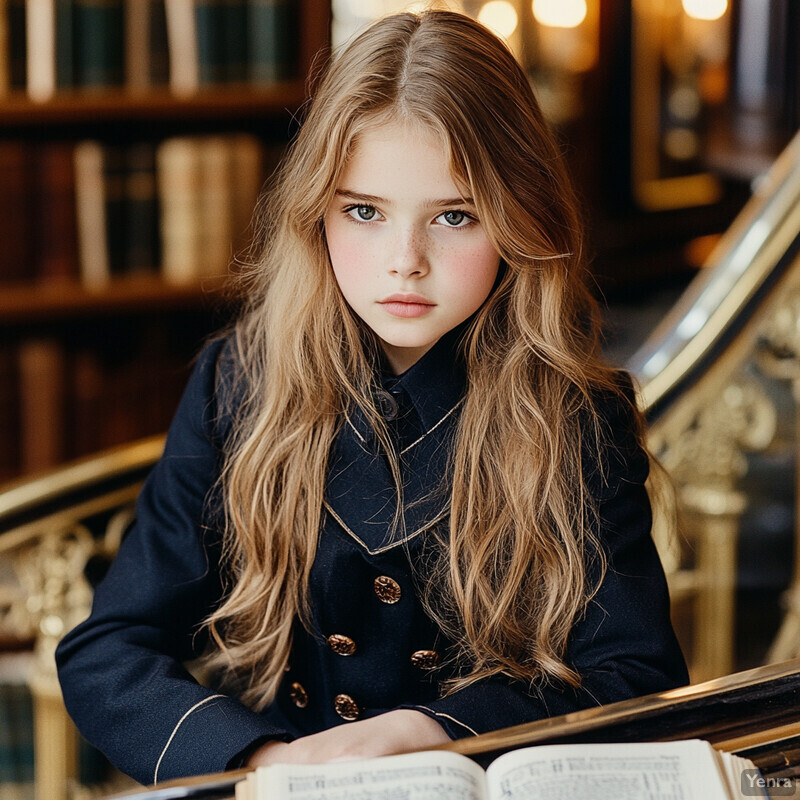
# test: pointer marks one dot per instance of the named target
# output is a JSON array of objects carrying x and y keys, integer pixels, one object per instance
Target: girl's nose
[{"x": 410, "y": 255}]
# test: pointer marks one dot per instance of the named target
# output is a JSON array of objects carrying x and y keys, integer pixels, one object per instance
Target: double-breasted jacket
[{"x": 372, "y": 647}]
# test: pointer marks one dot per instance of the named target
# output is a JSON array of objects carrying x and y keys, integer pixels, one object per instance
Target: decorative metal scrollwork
[{"x": 708, "y": 459}]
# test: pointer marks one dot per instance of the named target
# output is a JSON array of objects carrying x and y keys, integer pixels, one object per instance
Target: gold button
[
  {"x": 341, "y": 645},
  {"x": 298, "y": 695},
  {"x": 346, "y": 707},
  {"x": 388, "y": 590},
  {"x": 425, "y": 659}
]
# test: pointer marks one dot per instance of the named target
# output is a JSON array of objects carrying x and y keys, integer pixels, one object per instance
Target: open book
[{"x": 688, "y": 769}]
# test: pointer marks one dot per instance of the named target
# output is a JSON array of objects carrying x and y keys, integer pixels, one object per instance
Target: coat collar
[{"x": 360, "y": 493}]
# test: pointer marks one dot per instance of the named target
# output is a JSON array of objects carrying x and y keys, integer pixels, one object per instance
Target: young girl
[{"x": 403, "y": 501}]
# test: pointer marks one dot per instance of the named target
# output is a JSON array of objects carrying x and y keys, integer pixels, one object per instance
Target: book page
[
  {"x": 745, "y": 780},
  {"x": 685, "y": 770},
  {"x": 416, "y": 776}
]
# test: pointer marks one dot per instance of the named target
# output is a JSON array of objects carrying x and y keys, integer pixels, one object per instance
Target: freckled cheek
[
  {"x": 349, "y": 258},
  {"x": 475, "y": 270}
]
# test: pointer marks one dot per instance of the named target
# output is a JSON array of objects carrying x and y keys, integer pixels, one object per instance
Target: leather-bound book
[
  {"x": 16, "y": 204},
  {"x": 55, "y": 213}
]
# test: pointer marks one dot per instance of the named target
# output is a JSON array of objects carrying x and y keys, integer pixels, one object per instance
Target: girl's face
[{"x": 407, "y": 249}]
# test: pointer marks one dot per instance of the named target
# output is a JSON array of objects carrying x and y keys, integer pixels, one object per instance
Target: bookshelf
[
  {"x": 224, "y": 105},
  {"x": 21, "y": 304},
  {"x": 94, "y": 348}
]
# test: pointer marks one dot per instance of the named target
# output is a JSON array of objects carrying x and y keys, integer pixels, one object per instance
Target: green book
[
  {"x": 141, "y": 217},
  {"x": 20, "y": 718},
  {"x": 272, "y": 40},
  {"x": 234, "y": 33},
  {"x": 209, "y": 16},
  {"x": 65, "y": 44},
  {"x": 99, "y": 42},
  {"x": 7, "y": 738}
]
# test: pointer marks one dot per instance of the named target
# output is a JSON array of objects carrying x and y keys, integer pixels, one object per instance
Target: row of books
[
  {"x": 89, "y": 211},
  {"x": 49, "y": 46},
  {"x": 105, "y": 383}
]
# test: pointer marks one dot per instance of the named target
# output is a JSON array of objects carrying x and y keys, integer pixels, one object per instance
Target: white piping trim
[
  {"x": 405, "y": 450},
  {"x": 385, "y": 547},
  {"x": 452, "y": 719},
  {"x": 415, "y": 443},
  {"x": 175, "y": 730}
]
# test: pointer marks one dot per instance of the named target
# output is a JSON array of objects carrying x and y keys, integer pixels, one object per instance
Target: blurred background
[{"x": 136, "y": 135}]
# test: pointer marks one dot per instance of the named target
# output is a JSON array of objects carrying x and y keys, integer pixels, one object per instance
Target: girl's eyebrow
[{"x": 372, "y": 199}]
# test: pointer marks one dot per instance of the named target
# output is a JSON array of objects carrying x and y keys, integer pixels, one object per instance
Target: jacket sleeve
[
  {"x": 121, "y": 670},
  {"x": 624, "y": 645}
]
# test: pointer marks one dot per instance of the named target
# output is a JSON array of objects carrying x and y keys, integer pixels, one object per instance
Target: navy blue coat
[{"x": 372, "y": 648}]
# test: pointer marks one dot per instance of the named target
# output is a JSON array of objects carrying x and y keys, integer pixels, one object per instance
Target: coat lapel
[{"x": 360, "y": 492}]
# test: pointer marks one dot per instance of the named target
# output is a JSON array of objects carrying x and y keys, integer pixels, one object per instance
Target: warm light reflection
[
  {"x": 705, "y": 9},
  {"x": 559, "y": 13},
  {"x": 372, "y": 9},
  {"x": 500, "y": 16},
  {"x": 365, "y": 9}
]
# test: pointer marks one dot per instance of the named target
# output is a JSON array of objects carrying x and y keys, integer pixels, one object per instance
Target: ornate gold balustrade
[
  {"x": 51, "y": 529},
  {"x": 704, "y": 378}
]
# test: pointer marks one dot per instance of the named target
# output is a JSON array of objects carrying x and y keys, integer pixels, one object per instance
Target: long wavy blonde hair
[{"x": 515, "y": 574}]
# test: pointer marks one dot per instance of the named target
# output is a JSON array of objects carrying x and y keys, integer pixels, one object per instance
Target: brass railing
[
  {"x": 51, "y": 526},
  {"x": 704, "y": 377}
]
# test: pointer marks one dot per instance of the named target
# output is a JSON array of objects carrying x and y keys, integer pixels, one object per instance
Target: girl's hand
[{"x": 393, "y": 732}]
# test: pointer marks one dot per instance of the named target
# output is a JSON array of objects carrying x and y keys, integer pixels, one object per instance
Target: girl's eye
[
  {"x": 455, "y": 219},
  {"x": 362, "y": 213}
]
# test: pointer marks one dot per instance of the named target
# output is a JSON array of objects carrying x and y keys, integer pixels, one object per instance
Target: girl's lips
[{"x": 398, "y": 308}]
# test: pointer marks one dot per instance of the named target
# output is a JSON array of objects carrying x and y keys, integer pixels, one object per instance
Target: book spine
[
  {"x": 142, "y": 251},
  {"x": 5, "y": 56},
  {"x": 41, "y": 381},
  {"x": 21, "y": 719},
  {"x": 55, "y": 217},
  {"x": 209, "y": 17},
  {"x": 65, "y": 44},
  {"x": 99, "y": 43},
  {"x": 16, "y": 204},
  {"x": 40, "y": 32},
  {"x": 234, "y": 33},
  {"x": 90, "y": 208},
  {"x": 215, "y": 203},
  {"x": 17, "y": 44},
  {"x": 158, "y": 43},
  {"x": 114, "y": 188},
  {"x": 85, "y": 407},
  {"x": 184, "y": 70},
  {"x": 137, "y": 44},
  {"x": 7, "y": 738},
  {"x": 178, "y": 179},
  {"x": 271, "y": 25}
]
